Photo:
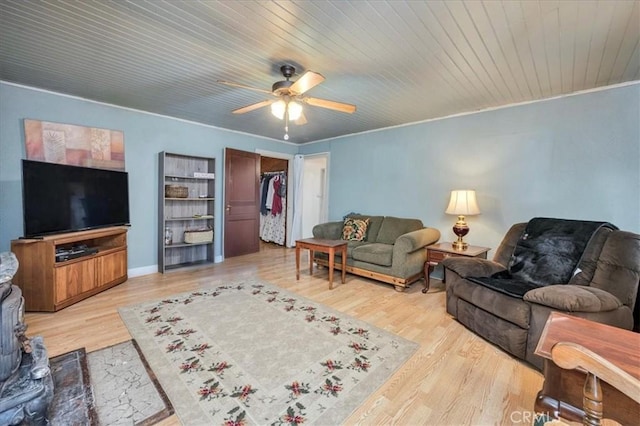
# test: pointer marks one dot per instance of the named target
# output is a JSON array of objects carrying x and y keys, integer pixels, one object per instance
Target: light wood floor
[{"x": 455, "y": 377}]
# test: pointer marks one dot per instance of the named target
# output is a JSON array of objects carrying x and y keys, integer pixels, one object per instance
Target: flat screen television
[{"x": 61, "y": 198}]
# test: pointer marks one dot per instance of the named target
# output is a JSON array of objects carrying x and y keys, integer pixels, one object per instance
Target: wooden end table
[
  {"x": 561, "y": 394},
  {"x": 436, "y": 253},
  {"x": 324, "y": 246}
]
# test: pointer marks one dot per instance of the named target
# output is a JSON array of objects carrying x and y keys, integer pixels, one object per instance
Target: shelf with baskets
[
  {"x": 204, "y": 217},
  {"x": 189, "y": 199},
  {"x": 185, "y": 213}
]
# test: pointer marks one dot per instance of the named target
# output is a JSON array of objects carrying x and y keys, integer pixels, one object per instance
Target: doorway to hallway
[{"x": 315, "y": 192}]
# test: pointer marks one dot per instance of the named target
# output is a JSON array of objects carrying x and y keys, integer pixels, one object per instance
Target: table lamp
[{"x": 462, "y": 203}]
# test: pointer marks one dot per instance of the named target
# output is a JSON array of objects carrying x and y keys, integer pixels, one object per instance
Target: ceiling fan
[{"x": 289, "y": 95}]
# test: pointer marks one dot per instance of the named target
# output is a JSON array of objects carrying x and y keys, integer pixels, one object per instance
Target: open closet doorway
[
  {"x": 275, "y": 206},
  {"x": 313, "y": 197},
  {"x": 315, "y": 194}
]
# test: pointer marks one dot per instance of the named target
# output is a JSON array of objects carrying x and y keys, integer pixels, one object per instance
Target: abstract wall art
[{"x": 74, "y": 145}]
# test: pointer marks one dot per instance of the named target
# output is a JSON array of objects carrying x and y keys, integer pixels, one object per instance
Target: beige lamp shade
[{"x": 463, "y": 202}]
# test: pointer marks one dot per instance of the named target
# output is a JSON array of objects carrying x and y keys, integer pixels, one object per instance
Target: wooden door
[{"x": 241, "y": 202}]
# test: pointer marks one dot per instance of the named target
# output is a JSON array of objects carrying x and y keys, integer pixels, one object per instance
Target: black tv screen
[{"x": 60, "y": 198}]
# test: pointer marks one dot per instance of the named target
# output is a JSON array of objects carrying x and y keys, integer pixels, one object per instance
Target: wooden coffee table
[{"x": 324, "y": 246}]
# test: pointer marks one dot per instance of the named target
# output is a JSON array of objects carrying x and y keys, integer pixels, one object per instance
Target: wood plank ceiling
[{"x": 398, "y": 61}]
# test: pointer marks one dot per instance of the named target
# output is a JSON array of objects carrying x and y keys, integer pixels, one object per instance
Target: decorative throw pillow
[{"x": 355, "y": 229}]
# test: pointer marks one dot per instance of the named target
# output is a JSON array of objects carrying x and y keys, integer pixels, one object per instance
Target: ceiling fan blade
[
  {"x": 336, "y": 106},
  {"x": 251, "y": 107},
  {"x": 307, "y": 81},
  {"x": 242, "y": 86},
  {"x": 302, "y": 120}
]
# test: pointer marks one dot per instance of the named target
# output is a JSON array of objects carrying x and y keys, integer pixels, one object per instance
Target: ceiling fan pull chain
[{"x": 286, "y": 124}]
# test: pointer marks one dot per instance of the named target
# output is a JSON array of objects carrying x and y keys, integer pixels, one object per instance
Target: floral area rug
[{"x": 252, "y": 353}]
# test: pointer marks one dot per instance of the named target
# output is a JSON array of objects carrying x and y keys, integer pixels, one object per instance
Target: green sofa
[{"x": 392, "y": 250}]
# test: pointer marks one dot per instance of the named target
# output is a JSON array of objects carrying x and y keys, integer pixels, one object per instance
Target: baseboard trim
[
  {"x": 143, "y": 270},
  {"x": 152, "y": 269}
]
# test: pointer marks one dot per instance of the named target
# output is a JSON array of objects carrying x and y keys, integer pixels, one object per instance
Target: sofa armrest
[
  {"x": 573, "y": 298},
  {"x": 472, "y": 266},
  {"x": 328, "y": 231},
  {"x": 412, "y": 241},
  {"x": 408, "y": 251}
]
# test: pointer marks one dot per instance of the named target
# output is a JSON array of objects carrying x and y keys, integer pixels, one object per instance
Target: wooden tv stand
[{"x": 48, "y": 285}]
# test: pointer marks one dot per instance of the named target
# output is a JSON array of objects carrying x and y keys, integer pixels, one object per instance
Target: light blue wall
[
  {"x": 575, "y": 157},
  {"x": 145, "y": 136}
]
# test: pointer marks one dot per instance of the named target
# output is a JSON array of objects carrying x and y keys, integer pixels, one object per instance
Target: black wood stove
[{"x": 26, "y": 386}]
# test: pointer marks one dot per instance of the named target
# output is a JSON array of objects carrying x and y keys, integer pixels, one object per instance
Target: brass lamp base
[
  {"x": 460, "y": 229},
  {"x": 460, "y": 245}
]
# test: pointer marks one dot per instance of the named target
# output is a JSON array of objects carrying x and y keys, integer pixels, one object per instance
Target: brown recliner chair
[{"x": 604, "y": 289}]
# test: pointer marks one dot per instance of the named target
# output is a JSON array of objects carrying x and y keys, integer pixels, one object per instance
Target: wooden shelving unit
[{"x": 193, "y": 212}]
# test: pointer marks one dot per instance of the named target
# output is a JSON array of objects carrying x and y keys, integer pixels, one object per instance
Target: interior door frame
[
  {"x": 327, "y": 156},
  {"x": 289, "y": 157}
]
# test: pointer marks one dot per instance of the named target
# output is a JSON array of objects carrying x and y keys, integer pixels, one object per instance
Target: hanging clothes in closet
[{"x": 273, "y": 207}]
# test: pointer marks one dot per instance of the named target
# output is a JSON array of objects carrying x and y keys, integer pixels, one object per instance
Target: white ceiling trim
[
  {"x": 37, "y": 89},
  {"x": 462, "y": 114}
]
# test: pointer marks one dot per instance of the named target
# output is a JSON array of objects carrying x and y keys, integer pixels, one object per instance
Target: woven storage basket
[
  {"x": 176, "y": 191},
  {"x": 198, "y": 236}
]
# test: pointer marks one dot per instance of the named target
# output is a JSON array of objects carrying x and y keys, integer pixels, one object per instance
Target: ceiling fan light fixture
[
  {"x": 295, "y": 110},
  {"x": 277, "y": 109},
  {"x": 287, "y": 92}
]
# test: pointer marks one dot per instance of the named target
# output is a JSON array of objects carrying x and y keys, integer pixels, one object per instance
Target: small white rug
[
  {"x": 111, "y": 386},
  {"x": 252, "y": 353},
  {"x": 125, "y": 392}
]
